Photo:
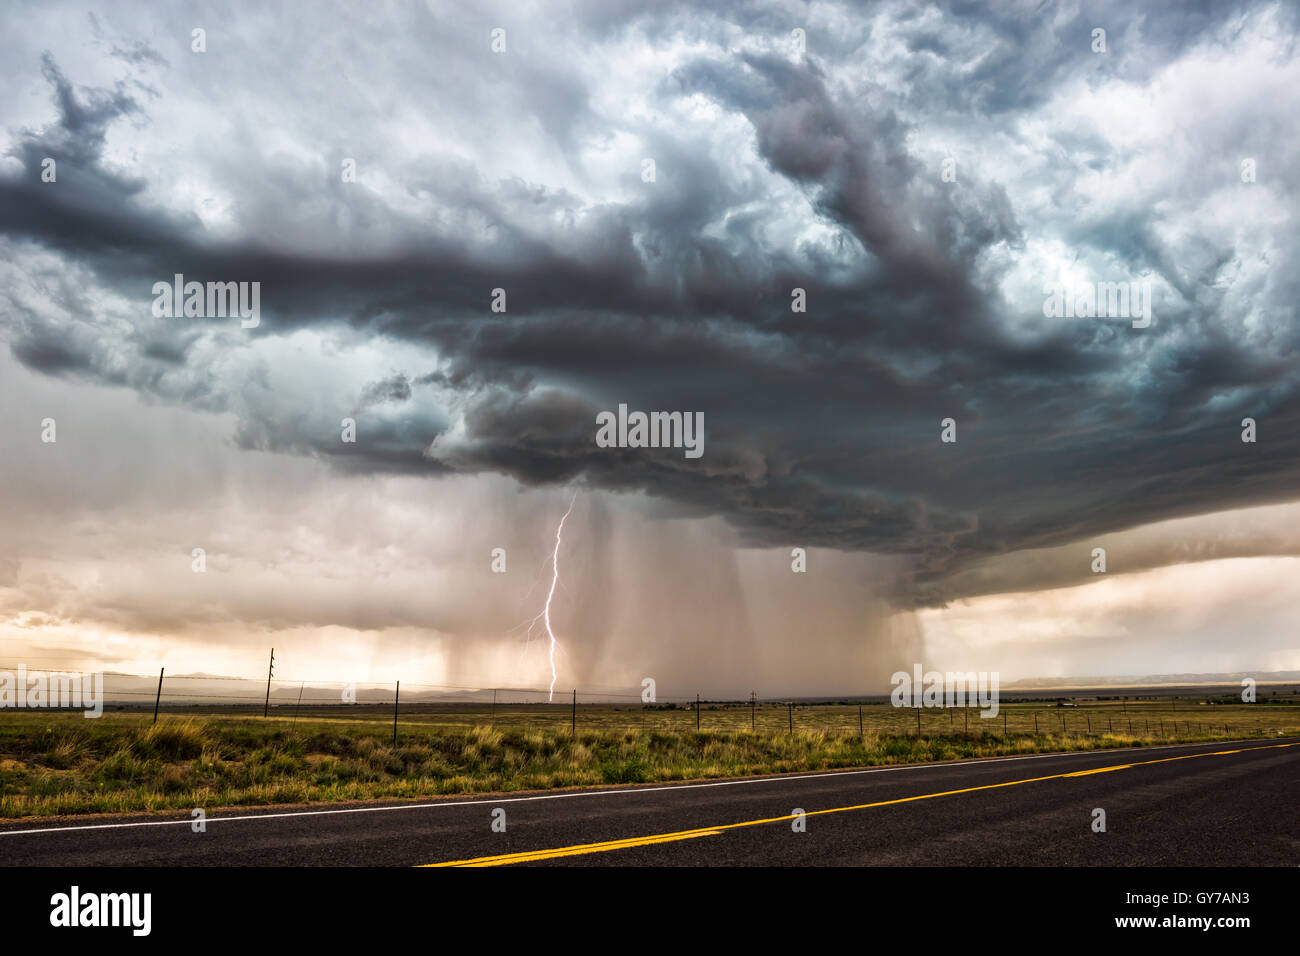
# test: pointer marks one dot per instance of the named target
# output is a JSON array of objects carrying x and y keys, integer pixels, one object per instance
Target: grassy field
[{"x": 61, "y": 763}]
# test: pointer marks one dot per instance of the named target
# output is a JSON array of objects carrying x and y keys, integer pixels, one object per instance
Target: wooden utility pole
[
  {"x": 753, "y": 706},
  {"x": 266, "y": 708},
  {"x": 396, "y": 696},
  {"x": 159, "y": 697},
  {"x": 573, "y": 726}
]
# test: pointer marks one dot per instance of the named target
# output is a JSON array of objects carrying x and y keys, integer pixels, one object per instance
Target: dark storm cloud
[
  {"x": 140, "y": 53},
  {"x": 822, "y": 429},
  {"x": 395, "y": 388}
]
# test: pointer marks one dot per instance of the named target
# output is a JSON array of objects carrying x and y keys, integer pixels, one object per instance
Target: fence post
[
  {"x": 859, "y": 720},
  {"x": 266, "y": 708},
  {"x": 573, "y": 727},
  {"x": 159, "y": 697},
  {"x": 790, "y": 709},
  {"x": 697, "y": 712},
  {"x": 396, "y": 697},
  {"x": 753, "y": 713},
  {"x": 1035, "y": 723}
]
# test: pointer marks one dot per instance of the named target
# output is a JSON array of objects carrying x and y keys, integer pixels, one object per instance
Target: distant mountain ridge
[{"x": 1155, "y": 680}]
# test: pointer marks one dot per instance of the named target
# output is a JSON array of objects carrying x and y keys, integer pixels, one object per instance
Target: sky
[{"x": 829, "y": 229}]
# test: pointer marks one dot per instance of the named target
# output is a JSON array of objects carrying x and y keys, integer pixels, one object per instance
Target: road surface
[{"x": 1225, "y": 804}]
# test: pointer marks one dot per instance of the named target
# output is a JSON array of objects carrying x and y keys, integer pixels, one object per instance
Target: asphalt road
[{"x": 1231, "y": 804}]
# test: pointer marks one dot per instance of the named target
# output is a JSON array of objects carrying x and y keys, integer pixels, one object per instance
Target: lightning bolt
[
  {"x": 543, "y": 617},
  {"x": 555, "y": 579}
]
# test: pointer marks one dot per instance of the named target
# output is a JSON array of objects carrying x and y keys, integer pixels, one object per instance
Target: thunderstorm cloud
[{"x": 648, "y": 185}]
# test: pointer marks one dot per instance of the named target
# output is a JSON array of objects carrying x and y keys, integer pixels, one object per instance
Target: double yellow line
[{"x": 530, "y": 856}]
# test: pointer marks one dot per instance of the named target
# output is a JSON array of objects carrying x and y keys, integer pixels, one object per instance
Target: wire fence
[{"x": 416, "y": 706}]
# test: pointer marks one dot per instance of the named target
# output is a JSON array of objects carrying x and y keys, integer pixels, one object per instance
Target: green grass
[{"x": 61, "y": 763}]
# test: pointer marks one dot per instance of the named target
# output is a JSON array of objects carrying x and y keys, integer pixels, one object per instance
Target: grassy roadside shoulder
[{"x": 60, "y": 764}]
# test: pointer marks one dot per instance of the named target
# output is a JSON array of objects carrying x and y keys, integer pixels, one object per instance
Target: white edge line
[{"x": 621, "y": 790}]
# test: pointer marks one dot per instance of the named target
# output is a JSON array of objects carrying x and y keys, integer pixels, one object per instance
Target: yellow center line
[
  {"x": 1085, "y": 773},
  {"x": 529, "y": 856},
  {"x": 584, "y": 848}
]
